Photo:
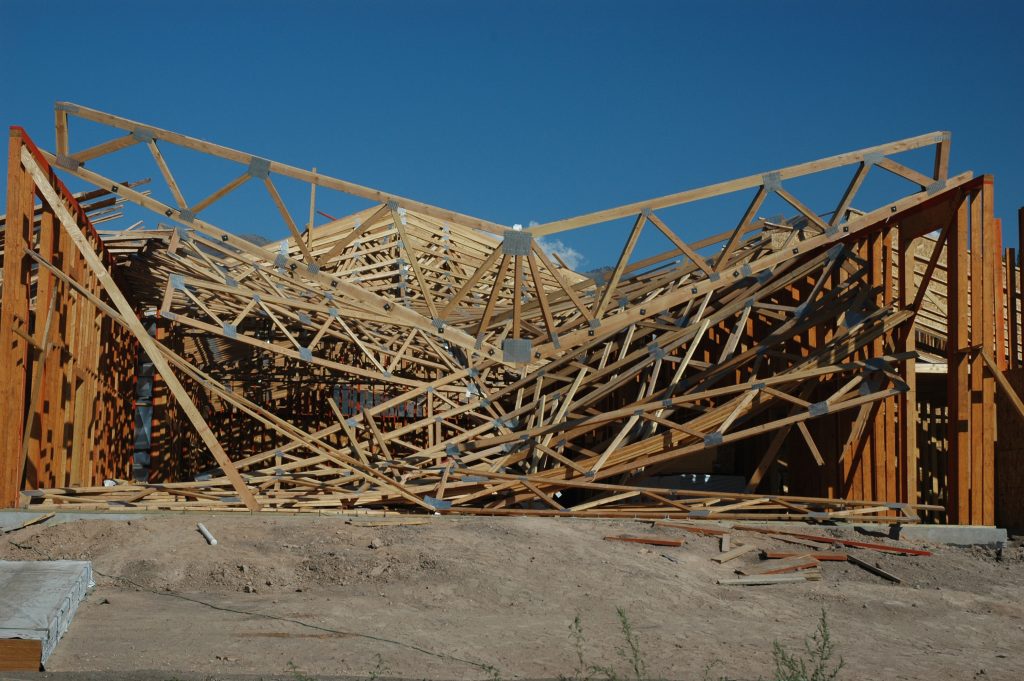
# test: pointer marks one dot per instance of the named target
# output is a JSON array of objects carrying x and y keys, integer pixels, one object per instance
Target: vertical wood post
[
  {"x": 958, "y": 263},
  {"x": 14, "y": 321},
  {"x": 908, "y": 400},
  {"x": 1011, "y": 308},
  {"x": 991, "y": 341}
]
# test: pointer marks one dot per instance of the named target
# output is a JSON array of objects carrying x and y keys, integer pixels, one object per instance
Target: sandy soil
[{"x": 476, "y": 598}]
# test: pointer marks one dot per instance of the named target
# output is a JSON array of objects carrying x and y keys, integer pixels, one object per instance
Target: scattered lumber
[{"x": 852, "y": 543}]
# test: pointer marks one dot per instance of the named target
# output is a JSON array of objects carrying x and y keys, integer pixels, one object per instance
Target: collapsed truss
[{"x": 502, "y": 380}]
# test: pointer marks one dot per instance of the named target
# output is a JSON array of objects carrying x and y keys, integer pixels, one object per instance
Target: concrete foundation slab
[
  {"x": 956, "y": 535},
  {"x": 38, "y": 599}
]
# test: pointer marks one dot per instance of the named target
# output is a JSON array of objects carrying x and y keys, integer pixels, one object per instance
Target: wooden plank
[
  {"x": 288, "y": 220},
  {"x": 613, "y": 280},
  {"x": 853, "y": 543},
  {"x": 824, "y": 556},
  {"x": 172, "y": 184},
  {"x": 903, "y": 171},
  {"x": 221, "y": 193},
  {"x": 851, "y": 190},
  {"x": 748, "y": 216},
  {"x": 1004, "y": 384},
  {"x": 683, "y": 247},
  {"x": 653, "y": 541},
  {"x": 779, "y": 567},
  {"x": 734, "y": 553},
  {"x": 802, "y": 427},
  {"x": 29, "y": 523},
  {"x": 105, "y": 148},
  {"x": 874, "y": 569},
  {"x": 765, "y": 580}
]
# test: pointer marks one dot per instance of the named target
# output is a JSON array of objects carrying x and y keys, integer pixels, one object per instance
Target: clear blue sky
[{"x": 533, "y": 111}]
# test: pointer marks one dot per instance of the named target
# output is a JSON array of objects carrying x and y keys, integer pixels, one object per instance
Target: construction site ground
[{"x": 476, "y": 598}]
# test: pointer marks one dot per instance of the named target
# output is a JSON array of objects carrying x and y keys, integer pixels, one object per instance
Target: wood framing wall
[
  {"x": 921, "y": 446},
  {"x": 974, "y": 244},
  {"x": 1009, "y": 447},
  {"x": 68, "y": 371},
  {"x": 1009, "y": 452}
]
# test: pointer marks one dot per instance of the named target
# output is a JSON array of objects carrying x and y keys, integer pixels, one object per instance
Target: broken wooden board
[
  {"x": 653, "y": 541},
  {"x": 734, "y": 553},
  {"x": 759, "y": 580}
]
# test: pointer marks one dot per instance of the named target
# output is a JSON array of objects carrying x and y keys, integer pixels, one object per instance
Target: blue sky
[{"x": 529, "y": 111}]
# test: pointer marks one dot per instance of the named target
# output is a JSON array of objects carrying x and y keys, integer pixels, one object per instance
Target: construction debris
[{"x": 853, "y": 543}]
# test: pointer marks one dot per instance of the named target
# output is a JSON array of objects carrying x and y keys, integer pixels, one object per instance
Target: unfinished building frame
[{"x": 411, "y": 357}]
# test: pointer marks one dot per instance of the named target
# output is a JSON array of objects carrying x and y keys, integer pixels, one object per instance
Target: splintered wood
[{"x": 408, "y": 357}]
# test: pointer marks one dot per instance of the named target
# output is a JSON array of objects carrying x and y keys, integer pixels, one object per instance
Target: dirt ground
[{"x": 479, "y": 598}]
